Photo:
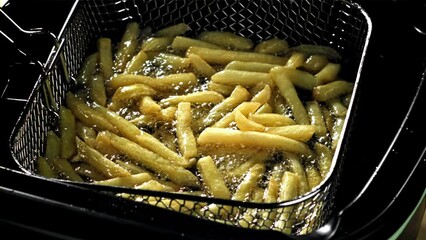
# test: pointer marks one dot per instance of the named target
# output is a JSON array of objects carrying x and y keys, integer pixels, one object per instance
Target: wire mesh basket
[{"x": 340, "y": 24}]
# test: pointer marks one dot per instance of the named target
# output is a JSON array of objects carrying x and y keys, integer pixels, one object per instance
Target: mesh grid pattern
[{"x": 334, "y": 23}]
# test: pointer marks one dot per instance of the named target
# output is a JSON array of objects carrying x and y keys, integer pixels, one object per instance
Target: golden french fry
[
  {"x": 148, "y": 106},
  {"x": 328, "y": 118},
  {"x": 250, "y": 66},
  {"x": 127, "y": 181},
  {"x": 325, "y": 158},
  {"x": 154, "y": 161},
  {"x": 226, "y": 39},
  {"x": 66, "y": 170},
  {"x": 315, "y": 63},
  {"x": 200, "y": 66},
  {"x": 131, "y": 167},
  {"x": 300, "y": 78},
  {"x": 296, "y": 60},
  {"x": 103, "y": 145},
  {"x": 183, "y": 43},
  {"x": 156, "y": 44},
  {"x": 245, "y": 108},
  {"x": 313, "y": 176},
  {"x": 176, "y": 63},
  {"x": 88, "y": 69},
  {"x": 224, "y": 90},
  {"x": 172, "y": 31},
  {"x": 105, "y": 57},
  {"x": 251, "y": 139},
  {"x": 223, "y": 57},
  {"x": 263, "y": 96},
  {"x": 271, "y": 119},
  {"x": 67, "y": 132},
  {"x": 331, "y": 90},
  {"x": 287, "y": 90},
  {"x": 243, "y": 78},
  {"x": 336, "y": 107},
  {"x": 265, "y": 108},
  {"x": 127, "y": 46},
  {"x": 185, "y": 137},
  {"x": 88, "y": 115},
  {"x": 244, "y": 124},
  {"x": 136, "y": 63},
  {"x": 212, "y": 178},
  {"x": 144, "y": 139},
  {"x": 172, "y": 82},
  {"x": 154, "y": 185},
  {"x": 317, "y": 119},
  {"x": 336, "y": 132},
  {"x": 195, "y": 97},
  {"x": 97, "y": 90},
  {"x": 135, "y": 91},
  {"x": 53, "y": 147},
  {"x": 301, "y": 133},
  {"x": 273, "y": 46},
  {"x": 239, "y": 95},
  {"x": 289, "y": 189},
  {"x": 44, "y": 168},
  {"x": 99, "y": 161},
  {"x": 248, "y": 219},
  {"x": 328, "y": 73},
  {"x": 295, "y": 166},
  {"x": 249, "y": 182},
  {"x": 86, "y": 170}
]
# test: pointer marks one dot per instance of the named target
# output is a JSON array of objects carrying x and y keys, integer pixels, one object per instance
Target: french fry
[
  {"x": 196, "y": 97},
  {"x": 295, "y": 166},
  {"x": 244, "y": 124},
  {"x": 289, "y": 189},
  {"x": 127, "y": 181},
  {"x": 154, "y": 185},
  {"x": 250, "y": 66},
  {"x": 86, "y": 170},
  {"x": 97, "y": 90},
  {"x": 142, "y": 138},
  {"x": 185, "y": 137},
  {"x": 301, "y": 133},
  {"x": 88, "y": 115},
  {"x": 296, "y": 60},
  {"x": 271, "y": 119},
  {"x": 223, "y": 57},
  {"x": 279, "y": 104},
  {"x": 239, "y": 95},
  {"x": 331, "y": 90},
  {"x": 263, "y": 95},
  {"x": 313, "y": 176},
  {"x": 44, "y": 168},
  {"x": 265, "y": 108},
  {"x": 200, "y": 66},
  {"x": 131, "y": 167},
  {"x": 212, "y": 178},
  {"x": 136, "y": 63},
  {"x": 226, "y": 40},
  {"x": 177, "y": 63},
  {"x": 274, "y": 46},
  {"x": 53, "y": 147},
  {"x": 325, "y": 158},
  {"x": 66, "y": 170},
  {"x": 99, "y": 161},
  {"x": 135, "y": 91},
  {"x": 346, "y": 99},
  {"x": 88, "y": 69},
  {"x": 328, "y": 118},
  {"x": 156, "y": 44},
  {"x": 103, "y": 145},
  {"x": 148, "y": 106},
  {"x": 154, "y": 161},
  {"x": 127, "y": 46},
  {"x": 328, "y": 73},
  {"x": 315, "y": 63},
  {"x": 183, "y": 43},
  {"x": 336, "y": 107},
  {"x": 243, "y": 78},
  {"x": 251, "y": 139},
  {"x": 317, "y": 119},
  {"x": 224, "y": 90},
  {"x": 172, "y": 31},
  {"x": 248, "y": 219},
  {"x": 245, "y": 108},
  {"x": 249, "y": 182},
  {"x": 67, "y": 132},
  {"x": 299, "y": 78},
  {"x": 105, "y": 57},
  {"x": 336, "y": 132},
  {"x": 271, "y": 194},
  {"x": 287, "y": 90},
  {"x": 167, "y": 83}
]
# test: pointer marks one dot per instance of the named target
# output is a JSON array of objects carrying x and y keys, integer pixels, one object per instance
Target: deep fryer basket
[{"x": 340, "y": 24}]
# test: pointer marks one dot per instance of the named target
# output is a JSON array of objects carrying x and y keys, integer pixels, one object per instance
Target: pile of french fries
[{"x": 214, "y": 115}]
